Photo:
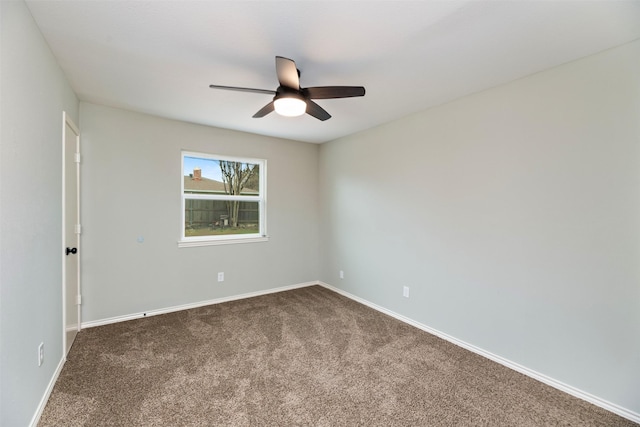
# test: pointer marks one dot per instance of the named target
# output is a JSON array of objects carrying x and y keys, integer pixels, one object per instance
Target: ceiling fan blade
[
  {"x": 317, "y": 111},
  {"x": 244, "y": 89},
  {"x": 264, "y": 110},
  {"x": 326, "y": 92},
  {"x": 287, "y": 72}
]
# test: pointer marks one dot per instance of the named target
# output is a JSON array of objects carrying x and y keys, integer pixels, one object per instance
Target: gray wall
[
  {"x": 131, "y": 176},
  {"x": 34, "y": 94},
  {"x": 514, "y": 217}
]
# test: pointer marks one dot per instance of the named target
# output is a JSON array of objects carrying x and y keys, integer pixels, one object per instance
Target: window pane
[
  {"x": 212, "y": 176},
  {"x": 220, "y": 217}
]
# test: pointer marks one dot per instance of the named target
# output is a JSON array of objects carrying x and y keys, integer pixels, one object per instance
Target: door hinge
[
  {"x": 77, "y": 157},
  {"x": 78, "y": 229},
  {"x": 79, "y": 299}
]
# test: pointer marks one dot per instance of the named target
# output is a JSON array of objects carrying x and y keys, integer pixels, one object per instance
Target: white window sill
[{"x": 227, "y": 241}]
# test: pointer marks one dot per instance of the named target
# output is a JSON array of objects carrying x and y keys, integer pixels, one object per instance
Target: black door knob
[{"x": 71, "y": 250}]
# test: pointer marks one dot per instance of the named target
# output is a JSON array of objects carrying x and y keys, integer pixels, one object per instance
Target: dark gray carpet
[{"x": 303, "y": 357}]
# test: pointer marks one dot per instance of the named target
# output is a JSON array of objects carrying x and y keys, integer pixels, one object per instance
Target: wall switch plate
[
  {"x": 405, "y": 291},
  {"x": 41, "y": 354},
  {"x": 221, "y": 277},
  {"x": 341, "y": 274}
]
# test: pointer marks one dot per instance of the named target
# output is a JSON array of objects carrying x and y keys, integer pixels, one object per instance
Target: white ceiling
[{"x": 159, "y": 57}]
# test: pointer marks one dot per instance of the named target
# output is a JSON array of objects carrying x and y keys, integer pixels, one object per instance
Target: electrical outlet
[
  {"x": 341, "y": 274},
  {"x": 41, "y": 354},
  {"x": 405, "y": 291},
  {"x": 221, "y": 277}
]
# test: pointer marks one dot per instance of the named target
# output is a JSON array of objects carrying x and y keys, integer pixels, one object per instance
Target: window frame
[{"x": 261, "y": 199}]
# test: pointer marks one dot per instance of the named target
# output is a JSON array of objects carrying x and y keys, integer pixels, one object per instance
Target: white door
[{"x": 71, "y": 232}]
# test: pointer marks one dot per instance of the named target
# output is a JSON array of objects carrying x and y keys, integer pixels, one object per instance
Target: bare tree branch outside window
[{"x": 236, "y": 176}]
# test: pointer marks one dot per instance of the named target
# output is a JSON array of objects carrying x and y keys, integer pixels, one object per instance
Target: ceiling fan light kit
[
  {"x": 290, "y": 105},
  {"x": 290, "y": 99}
]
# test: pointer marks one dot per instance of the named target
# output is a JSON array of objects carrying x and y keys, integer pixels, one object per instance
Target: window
[{"x": 223, "y": 199}]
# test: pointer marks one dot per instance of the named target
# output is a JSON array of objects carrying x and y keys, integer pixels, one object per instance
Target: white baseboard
[
  {"x": 612, "y": 407},
  {"x": 45, "y": 397},
  {"x": 175, "y": 308}
]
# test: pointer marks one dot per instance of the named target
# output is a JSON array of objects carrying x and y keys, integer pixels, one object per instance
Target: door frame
[{"x": 67, "y": 121}]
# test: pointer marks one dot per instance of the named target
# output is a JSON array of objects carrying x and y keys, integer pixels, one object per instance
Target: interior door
[{"x": 71, "y": 232}]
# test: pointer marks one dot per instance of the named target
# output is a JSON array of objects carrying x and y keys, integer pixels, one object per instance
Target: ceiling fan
[{"x": 292, "y": 100}]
